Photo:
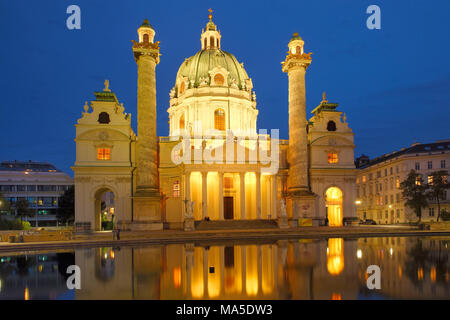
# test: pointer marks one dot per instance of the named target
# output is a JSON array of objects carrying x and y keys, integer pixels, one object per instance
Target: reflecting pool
[{"x": 411, "y": 268}]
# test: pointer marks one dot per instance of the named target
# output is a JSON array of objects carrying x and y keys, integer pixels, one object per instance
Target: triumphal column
[
  {"x": 146, "y": 198},
  {"x": 301, "y": 201}
]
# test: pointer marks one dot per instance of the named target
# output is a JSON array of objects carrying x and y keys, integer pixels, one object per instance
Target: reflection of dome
[{"x": 198, "y": 66}]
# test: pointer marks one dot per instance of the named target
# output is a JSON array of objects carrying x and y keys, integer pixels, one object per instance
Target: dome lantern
[
  {"x": 146, "y": 32},
  {"x": 296, "y": 44},
  {"x": 210, "y": 38}
]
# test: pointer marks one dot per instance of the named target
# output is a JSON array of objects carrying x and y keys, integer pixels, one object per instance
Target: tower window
[
  {"x": 219, "y": 119},
  {"x": 145, "y": 38},
  {"x": 331, "y": 126},
  {"x": 182, "y": 125},
  {"x": 298, "y": 50},
  {"x": 219, "y": 79},
  {"x": 103, "y": 117},
  {"x": 103, "y": 154},
  {"x": 211, "y": 41},
  {"x": 332, "y": 157},
  {"x": 205, "y": 44}
]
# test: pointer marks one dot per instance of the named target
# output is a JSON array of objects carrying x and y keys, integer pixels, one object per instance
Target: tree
[
  {"x": 414, "y": 191},
  {"x": 436, "y": 188},
  {"x": 5, "y": 205},
  {"x": 66, "y": 205},
  {"x": 23, "y": 208}
]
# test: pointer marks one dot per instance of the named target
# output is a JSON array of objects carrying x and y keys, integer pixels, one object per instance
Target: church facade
[{"x": 214, "y": 164}]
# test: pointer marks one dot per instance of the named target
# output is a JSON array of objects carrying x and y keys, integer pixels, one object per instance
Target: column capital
[
  {"x": 296, "y": 61},
  {"x": 146, "y": 49}
]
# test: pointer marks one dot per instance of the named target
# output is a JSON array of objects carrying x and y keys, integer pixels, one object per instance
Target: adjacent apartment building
[
  {"x": 40, "y": 183},
  {"x": 378, "y": 192}
]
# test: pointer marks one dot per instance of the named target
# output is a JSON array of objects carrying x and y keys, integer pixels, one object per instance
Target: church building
[{"x": 214, "y": 165}]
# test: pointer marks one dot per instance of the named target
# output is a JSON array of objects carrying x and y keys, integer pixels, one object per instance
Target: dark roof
[
  {"x": 415, "y": 148},
  {"x": 28, "y": 166}
]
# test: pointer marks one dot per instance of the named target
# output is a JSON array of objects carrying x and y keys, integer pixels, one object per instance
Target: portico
[{"x": 236, "y": 193}]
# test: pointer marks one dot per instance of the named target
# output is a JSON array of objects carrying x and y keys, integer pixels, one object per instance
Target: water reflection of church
[
  {"x": 287, "y": 269},
  {"x": 282, "y": 270}
]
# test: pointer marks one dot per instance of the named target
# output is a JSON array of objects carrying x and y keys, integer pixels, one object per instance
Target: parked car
[
  {"x": 350, "y": 221},
  {"x": 369, "y": 222}
]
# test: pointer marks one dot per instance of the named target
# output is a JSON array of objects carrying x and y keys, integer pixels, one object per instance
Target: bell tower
[
  {"x": 146, "y": 199},
  {"x": 301, "y": 201}
]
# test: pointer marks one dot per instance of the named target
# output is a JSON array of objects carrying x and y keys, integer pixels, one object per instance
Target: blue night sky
[{"x": 393, "y": 83}]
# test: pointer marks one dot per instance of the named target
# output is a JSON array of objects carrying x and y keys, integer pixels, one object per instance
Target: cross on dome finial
[{"x": 210, "y": 14}]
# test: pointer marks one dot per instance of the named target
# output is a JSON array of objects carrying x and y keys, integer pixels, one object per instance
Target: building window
[
  {"x": 397, "y": 183},
  {"x": 176, "y": 189},
  {"x": 397, "y": 197},
  {"x": 430, "y": 180},
  {"x": 417, "y": 165},
  {"x": 431, "y": 212},
  {"x": 385, "y": 172},
  {"x": 219, "y": 119},
  {"x": 391, "y": 170},
  {"x": 418, "y": 181},
  {"x": 103, "y": 118},
  {"x": 370, "y": 176},
  {"x": 331, "y": 126},
  {"x": 228, "y": 182},
  {"x": 103, "y": 153},
  {"x": 219, "y": 80},
  {"x": 430, "y": 164},
  {"x": 182, "y": 124},
  {"x": 398, "y": 213},
  {"x": 332, "y": 157},
  {"x": 442, "y": 164},
  {"x": 378, "y": 174},
  {"x": 363, "y": 179}
]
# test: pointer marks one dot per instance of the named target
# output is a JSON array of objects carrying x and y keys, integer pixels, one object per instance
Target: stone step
[{"x": 235, "y": 224}]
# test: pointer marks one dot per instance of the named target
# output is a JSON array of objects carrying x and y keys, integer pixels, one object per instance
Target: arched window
[
  {"x": 219, "y": 119},
  {"x": 182, "y": 125},
  {"x": 211, "y": 41},
  {"x": 145, "y": 38},
  {"x": 182, "y": 87},
  {"x": 205, "y": 44},
  {"x": 219, "y": 80},
  {"x": 298, "y": 50},
  {"x": 331, "y": 126},
  {"x": 103, "y": 117},
  {"x": 217, "y": 43}
]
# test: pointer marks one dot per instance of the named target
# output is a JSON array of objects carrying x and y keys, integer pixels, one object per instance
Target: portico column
[
  {"x": 274, "y": 196},
  {"x": 187, "y": 186},
  {"x": 242, "y": 193},
  {"x": 258, "y": 195},
  {"x": 204, "y": 195},
  {"x": 221, "y": 195}
]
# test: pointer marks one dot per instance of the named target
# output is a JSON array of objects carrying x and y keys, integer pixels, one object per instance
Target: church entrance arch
[
  {"x": 105, "y": 215},
  {"x": 334, "y": 201}
]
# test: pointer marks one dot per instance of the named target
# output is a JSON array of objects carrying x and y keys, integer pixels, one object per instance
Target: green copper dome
[{"x": 199, "y": 65}]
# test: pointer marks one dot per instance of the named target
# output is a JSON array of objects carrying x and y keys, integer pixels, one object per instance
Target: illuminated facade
[
  {"x": 214, "y": 163},
  {"x": 378, "y": 182}
]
